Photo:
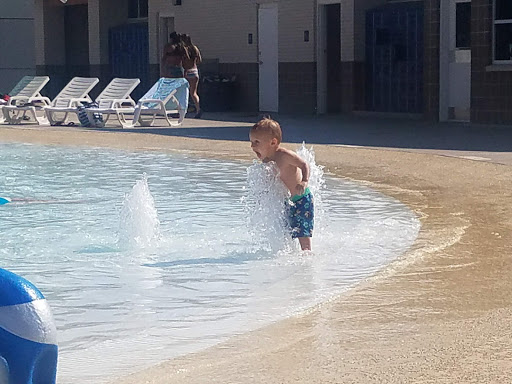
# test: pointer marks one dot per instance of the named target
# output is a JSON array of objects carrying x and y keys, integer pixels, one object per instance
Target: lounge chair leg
[
  {"x": 53, "y": 120},
  {"x": 12, "y": 117},
  {"x": 42, "y": 120}
]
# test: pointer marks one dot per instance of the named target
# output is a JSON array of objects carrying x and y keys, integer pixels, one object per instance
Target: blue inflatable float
[{"x": 28, "y": 336}]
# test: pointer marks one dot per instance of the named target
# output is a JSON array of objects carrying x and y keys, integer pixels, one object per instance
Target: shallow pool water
[{"x": 122, "y": 305}]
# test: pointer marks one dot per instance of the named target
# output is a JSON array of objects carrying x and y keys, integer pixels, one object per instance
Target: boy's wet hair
[{"x": 270, "y": 126}]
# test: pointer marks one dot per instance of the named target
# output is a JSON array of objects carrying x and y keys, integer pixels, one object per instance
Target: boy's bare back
[{"x": 294, "y": 171}]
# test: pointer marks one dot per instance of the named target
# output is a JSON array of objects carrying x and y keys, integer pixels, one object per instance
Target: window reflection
[
  {"x": 463, "y": 25},
  {"x": 503, "y": 42},
  {"x": 503, "y": 10}
]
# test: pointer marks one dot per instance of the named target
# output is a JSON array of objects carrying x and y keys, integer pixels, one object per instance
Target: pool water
[{"x": 146, "y": 256}]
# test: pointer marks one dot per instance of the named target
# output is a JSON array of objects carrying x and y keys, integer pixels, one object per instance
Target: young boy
[{"x": 265, "y": 137}]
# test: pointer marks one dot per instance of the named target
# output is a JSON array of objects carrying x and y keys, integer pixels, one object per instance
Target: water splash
[
  {"x": 316, "y": 181},
  {"x": 265, "y": 207},
  {"x": 139, "y": 225},
  {"x": 267, "y": 215}
]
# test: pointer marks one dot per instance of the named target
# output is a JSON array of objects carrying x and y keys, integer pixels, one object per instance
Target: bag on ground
[{"x": 94, "y": 120}]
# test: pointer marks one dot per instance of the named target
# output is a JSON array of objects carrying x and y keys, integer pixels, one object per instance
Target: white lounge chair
[
  {"x": 114, "y": 98},
  {"x": 165, "y": 98},
  {"x": 69, "y": 98},
  {"x": 26, "y": 93}
]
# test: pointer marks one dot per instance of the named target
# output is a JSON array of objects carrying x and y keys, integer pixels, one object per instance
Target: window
[
  {"x": 463, "y": 25},
  {"x": 137, "y": 9},
  {"x": 502, "y": 30}
]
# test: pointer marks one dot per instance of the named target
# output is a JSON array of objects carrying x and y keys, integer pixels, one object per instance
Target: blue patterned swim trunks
[{"x": 302, "y": 214}]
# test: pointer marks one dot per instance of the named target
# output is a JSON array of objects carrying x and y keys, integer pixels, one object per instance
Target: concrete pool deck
[{"x": 440, "y": 314}]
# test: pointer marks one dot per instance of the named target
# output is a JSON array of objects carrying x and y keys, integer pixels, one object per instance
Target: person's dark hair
[
  {"x": 186, "y": 39},
  {"x": 174, "y": 38}
]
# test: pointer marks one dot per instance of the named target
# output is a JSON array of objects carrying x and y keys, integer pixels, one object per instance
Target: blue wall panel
[
  {"x": 129, "y": 54},
  {"x": 394, "y": 58}
]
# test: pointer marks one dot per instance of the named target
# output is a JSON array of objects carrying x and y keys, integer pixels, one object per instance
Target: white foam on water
[
  {"x": 265, "y": 208},
  {"x": 139, "y": 225}
]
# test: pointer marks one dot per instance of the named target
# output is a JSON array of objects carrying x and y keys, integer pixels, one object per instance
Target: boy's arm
[{"x": 295, "y": 160}]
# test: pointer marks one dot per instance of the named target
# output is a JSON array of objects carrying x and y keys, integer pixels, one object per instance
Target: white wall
[
  {"x": 220, "y": 28},
  {"x": 17, "y": 47},
  {"x": 295, "y": 17}
]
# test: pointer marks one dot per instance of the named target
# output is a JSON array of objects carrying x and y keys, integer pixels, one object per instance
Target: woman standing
[
  {"x": 190, "y": 63},
  {"x": 174, "y": 53}
]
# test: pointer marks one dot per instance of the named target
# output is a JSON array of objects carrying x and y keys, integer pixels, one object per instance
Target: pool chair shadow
[
  {"x": 166, "y": 98},
  {"x": 25, "y": 98}
]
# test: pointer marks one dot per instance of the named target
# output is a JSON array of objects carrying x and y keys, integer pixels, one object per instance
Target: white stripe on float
[{"x": 32, "y": 321}]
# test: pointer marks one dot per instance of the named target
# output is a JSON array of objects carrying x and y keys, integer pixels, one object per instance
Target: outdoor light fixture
[{"x": 64, "y": 1}]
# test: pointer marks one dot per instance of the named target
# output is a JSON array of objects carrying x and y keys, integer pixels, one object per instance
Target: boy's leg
[{"x": 305, "y": 243}]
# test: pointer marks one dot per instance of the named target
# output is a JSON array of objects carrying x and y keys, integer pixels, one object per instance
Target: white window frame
[
  {"x": 494, "y": 24},
  {"x": 139, "y": 18},
  {"x": 454, "y": 27}
]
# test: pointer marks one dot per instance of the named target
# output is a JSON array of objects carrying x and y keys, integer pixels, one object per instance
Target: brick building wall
[
  {"x": 431, "y": 60},
  {"x": 491, "y": 85}
]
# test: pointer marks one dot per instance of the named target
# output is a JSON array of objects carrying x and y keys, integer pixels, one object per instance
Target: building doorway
[
  {"x": 268, "y": 57},
  {"x": 329, "y": 57},
  {"x": 394, "y": 58},
  {"x": 76, "y": 33}
]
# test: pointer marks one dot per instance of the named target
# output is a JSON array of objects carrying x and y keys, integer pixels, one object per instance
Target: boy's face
[{"x": 263, "y": 145}]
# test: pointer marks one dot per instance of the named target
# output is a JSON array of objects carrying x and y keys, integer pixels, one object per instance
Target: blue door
[
  {"x": 394, "y": 58},
  {"x": 129, "y": 54}
]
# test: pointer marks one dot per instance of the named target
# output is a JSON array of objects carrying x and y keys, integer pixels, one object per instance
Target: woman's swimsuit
[
  {"x": 175, "y": 71},
  {"x": 192, "y": 73}
]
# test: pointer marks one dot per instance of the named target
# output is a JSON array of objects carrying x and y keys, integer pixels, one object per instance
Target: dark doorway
[
  {"x": 333, "y": 57},
  {"x": 76, "y": 27}
]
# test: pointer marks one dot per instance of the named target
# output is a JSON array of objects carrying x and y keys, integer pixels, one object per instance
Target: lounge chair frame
[
  {"x": 153, "y": 107},
  {"x": 115, "y": 99},
  {"x": 25, "y": 99},
  {"x": 69, "y": 98}
]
